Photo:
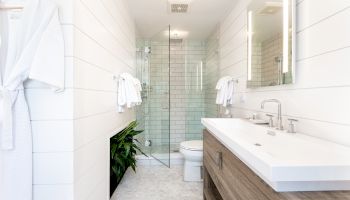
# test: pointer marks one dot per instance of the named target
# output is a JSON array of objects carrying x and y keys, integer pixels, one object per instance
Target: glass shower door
[{"x": 158, "y": 116}]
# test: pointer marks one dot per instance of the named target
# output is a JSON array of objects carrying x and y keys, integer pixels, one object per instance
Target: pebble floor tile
[{"x": 157, "y": 183}]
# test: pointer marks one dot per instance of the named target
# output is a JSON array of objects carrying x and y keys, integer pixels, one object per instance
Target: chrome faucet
[{"x": 279, "y": 118}]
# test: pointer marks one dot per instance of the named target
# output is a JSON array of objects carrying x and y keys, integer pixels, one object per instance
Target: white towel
[
  {"x": 225, "y": 88},
  {"x": 129, "y": 92},
  {"x": 138, "y": 88}
]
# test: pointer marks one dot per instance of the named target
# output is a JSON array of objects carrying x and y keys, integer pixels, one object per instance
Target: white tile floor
[{"x": 157, "y": 183}]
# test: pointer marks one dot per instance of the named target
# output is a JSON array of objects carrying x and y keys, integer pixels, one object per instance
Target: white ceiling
[{"x": 152, "y": 17}]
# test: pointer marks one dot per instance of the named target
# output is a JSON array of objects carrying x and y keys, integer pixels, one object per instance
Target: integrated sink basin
[
  {"x": 287, "y": 162},
  {"x": 258, "y": 121}
]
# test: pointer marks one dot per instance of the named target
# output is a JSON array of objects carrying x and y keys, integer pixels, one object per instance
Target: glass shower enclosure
[
  {"x": 153, "y": 69},
  {"x": 173, "y": 74}
]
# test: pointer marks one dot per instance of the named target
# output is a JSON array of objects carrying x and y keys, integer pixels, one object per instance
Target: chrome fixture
[
  {"x": 270, "y": 120},
  {"x": 279, "y": 117},
  {"x": 272, "y": 133},
  {"x": 148, "y": 143},
  {"x": 291, "y": 126},
  {"x": 279, "y": 61},
  {"x": 254, "y": 116}
]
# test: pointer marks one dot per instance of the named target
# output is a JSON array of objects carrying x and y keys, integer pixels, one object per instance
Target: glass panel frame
[{"x": 159, "y": 104}]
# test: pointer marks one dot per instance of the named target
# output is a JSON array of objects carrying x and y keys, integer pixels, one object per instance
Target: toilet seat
[{"x": 194, "y": 145}]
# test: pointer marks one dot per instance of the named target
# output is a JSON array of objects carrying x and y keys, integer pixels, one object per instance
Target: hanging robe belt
[{"x": 6, "y": 133}]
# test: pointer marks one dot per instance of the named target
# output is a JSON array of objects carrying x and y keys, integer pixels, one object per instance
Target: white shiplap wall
[
  {"x": 320, "y": 98},
  {"x": 52, "y": 125},
  {"x": 104, "y": 45},
  {"x": 71, "y": 130}
]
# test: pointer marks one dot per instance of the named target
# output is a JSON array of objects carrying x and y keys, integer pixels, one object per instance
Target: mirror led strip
[
  {"x": 285, "y": 36},
  {"x": 250, "y": 44}
]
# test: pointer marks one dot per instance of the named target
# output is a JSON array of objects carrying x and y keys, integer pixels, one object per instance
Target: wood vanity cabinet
[{"x": 227, "y": 178}]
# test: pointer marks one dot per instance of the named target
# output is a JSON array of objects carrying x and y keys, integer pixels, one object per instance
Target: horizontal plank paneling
[{"x": 320, "y": 95}]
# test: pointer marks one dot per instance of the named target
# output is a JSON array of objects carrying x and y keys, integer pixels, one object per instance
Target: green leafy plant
[{"x": 123, "y": 151}]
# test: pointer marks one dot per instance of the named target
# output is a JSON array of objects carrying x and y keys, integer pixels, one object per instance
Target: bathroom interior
[{"x": 174, "y": 100}]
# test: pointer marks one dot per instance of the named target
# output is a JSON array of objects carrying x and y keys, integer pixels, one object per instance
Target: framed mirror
[{"x": 271, "y": 43}]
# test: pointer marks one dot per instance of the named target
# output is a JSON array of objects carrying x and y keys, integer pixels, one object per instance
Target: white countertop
[{"x": 287, "y": 162}]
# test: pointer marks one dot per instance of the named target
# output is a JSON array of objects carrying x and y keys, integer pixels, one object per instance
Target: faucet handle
[
  {"x": 254, "y": 116},
  {"x": 291, "y": 126},
  {"x": 270, "y": 120}
]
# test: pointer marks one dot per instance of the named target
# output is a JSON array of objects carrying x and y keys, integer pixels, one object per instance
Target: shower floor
[{"x": 157, "y": 183}]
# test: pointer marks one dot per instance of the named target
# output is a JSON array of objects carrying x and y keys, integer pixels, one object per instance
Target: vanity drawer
[
  {"x": 239, "y": 177},
  {"x": 232, "y": 183},
  {"x": 212, "y": 151}
]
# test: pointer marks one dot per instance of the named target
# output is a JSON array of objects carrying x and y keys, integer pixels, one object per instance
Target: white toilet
[{"x": 193, "y": 154}]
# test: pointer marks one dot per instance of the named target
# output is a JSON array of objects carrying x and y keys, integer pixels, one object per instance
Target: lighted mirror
[{"x": 271, "y": 43}]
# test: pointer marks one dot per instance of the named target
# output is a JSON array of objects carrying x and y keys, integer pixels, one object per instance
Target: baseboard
[{"x": 175, "y": 159}]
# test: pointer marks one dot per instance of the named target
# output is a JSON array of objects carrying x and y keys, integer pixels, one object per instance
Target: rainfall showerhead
[{"x": 176, "y": 40}]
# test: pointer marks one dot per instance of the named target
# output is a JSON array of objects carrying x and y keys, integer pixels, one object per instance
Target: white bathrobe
[{"x": 32, "y": 47}]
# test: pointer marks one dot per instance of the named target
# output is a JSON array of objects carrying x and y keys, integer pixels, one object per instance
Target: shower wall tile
[{"x": 270, "y": 49}]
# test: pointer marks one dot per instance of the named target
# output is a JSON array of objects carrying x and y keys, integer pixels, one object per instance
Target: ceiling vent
[{"x": 179, "y": 6}]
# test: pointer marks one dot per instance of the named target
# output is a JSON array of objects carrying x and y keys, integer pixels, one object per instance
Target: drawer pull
[{"x": 218, "y": 159}]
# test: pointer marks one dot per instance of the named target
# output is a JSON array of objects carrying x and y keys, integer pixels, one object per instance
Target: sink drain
[{"x": 257, "y": 144}]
